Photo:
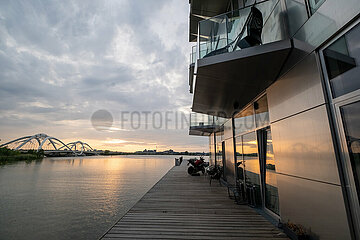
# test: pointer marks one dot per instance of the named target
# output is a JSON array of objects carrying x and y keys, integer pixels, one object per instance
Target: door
[
  {"x": 251, "y": 168},
  {"x": 223, "y": 159},
  {"x": 268, "y": 171}
]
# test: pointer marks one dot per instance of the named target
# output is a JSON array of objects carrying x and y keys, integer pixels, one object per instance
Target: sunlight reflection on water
[{"x": 73, "y": 198}]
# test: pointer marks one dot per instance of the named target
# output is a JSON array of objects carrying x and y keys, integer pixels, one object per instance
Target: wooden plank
[{"x": 180, "y": 206}]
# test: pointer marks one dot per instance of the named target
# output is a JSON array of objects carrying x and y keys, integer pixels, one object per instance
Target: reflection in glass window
[
  {"x": 219, "y": 155},
  {"x": 244, "y": 121},
  {"x": 341, "y": 59},
  {"x": 315, "y": 4},
  {"x": 252, "y": 166},
  {"x": 261, "y": 112},
  {"x": 351, "y": 119},
  {"x": 271, "y": 189},
  {"x": 239, "y": 159},
  {"x": 212, "y": 149}
]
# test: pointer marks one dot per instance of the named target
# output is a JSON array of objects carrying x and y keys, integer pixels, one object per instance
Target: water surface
[{"x": 73, "y": 198}]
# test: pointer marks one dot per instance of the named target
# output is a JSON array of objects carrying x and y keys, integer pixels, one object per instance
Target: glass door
[
  {"x": 271, "y": 194},
  {"x": 223, "y": 159},
  {"x": 251, "y": 168}
]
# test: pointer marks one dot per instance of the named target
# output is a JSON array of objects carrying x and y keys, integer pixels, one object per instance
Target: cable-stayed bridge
[{"x": 50, "y": 145}]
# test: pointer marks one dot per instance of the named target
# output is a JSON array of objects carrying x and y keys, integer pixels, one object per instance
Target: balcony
[
  {"x": 200, "y": 10},
  {"x": 239, "y": 54},
  {"x": 204, "y": 125}
]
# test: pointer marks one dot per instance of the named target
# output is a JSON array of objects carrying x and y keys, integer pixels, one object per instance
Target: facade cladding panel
[
  {"x": 315, "y": 205},
  {"x": 298, "y": 90},
  {"x": 303, "y": 146}
]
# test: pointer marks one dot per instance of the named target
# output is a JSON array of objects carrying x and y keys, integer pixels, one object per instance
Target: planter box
[{"x": 292, "y": 235}]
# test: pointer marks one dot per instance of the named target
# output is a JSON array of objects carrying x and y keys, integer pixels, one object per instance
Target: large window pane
[
  {"x": 351, "y": 119},
  {"x": 341, "y": 60},
  {"x": 219, "y": 155},
  {"x": 212, "y": 149},
  {"x": 261, "y": 112},
  {"x": 239, "y": 159},
  {"x": 244, "y": 121},
  {"x": 252, "y": 166},
  {"x": 271, "y": 189}
]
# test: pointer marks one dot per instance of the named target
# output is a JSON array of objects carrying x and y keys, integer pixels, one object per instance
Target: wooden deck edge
[{"x": 113, "y": 225}]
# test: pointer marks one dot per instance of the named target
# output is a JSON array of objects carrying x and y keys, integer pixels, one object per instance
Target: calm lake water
[{"x": 73, "y": 198}]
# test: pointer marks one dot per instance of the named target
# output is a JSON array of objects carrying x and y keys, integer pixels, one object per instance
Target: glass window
[
  {"x": 239, "y": 159},
  {"x": 219, "y": 154},
  {"x": 244, "y": 121},
  {"x": 212, "y": 149},
  {"x": 271, "y": 189},
  {"x": 341, "y": 59},
  {"x": 219, "y": 136},
  {"x": 261, "y": 112},
  {"x": 315, "y": 4},
  {"x": 351, "y": 119},
  {"x": 252, "y": 166}
]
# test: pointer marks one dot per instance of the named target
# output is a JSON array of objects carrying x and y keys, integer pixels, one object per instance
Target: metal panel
[
  {"x": 314, "y": 205},
  {"x": 297, "y": 15},
  {"x": 303, "y": 146},
  {"x": 327, "y": 20},
  {"x": 296, "y": 91},
  {"x": 273, "y": 29},
  {"x": 230, "y": 161}
]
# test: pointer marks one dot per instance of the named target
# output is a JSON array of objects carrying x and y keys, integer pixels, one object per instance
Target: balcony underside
[{"x": 227, "y": 82}]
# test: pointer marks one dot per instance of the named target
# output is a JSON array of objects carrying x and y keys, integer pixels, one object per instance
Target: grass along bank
[{"x": 8, "y": 155}]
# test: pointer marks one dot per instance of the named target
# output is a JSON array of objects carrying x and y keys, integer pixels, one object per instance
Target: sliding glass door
[{"x": 270, "y": 187}]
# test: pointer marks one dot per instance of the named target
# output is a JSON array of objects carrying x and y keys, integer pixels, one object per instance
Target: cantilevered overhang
[
  {"x": 227, "y": 82},
  {"x": 204, "y": 9}
]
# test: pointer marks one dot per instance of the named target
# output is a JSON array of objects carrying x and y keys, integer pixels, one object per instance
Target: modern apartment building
[{"x": 276, "y": 89}]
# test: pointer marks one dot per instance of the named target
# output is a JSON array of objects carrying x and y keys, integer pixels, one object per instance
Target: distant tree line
[{"x": 9, "y": 155}]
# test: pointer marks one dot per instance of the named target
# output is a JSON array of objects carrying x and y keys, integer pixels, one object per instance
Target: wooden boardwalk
[{"x": 180, "y": 206}]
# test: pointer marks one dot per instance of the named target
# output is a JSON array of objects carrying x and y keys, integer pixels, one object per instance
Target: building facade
[{"x": 276, "y": 89}]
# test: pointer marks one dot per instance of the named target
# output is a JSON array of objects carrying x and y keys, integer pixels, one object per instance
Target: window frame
[
  {"x": 345, "y": 169},
  {"x": 324, "y": 68}
]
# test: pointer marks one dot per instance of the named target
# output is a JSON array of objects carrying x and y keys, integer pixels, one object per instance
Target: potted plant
[{"x": 295, "y": 231}]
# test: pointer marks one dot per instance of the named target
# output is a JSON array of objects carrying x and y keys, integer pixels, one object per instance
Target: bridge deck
[{"x": 180, "y": 206}]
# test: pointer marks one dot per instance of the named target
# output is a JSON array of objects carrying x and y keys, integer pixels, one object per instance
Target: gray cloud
[{"x": 61, "y": 61}]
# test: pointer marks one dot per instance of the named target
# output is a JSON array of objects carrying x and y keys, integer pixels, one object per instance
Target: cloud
[{"x": 61, "y": 61}]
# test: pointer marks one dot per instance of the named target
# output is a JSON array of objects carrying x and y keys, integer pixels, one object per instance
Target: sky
[{"x": 64, "y": 62}]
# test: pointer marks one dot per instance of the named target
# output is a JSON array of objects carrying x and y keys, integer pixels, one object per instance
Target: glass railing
[
  {"x": 240, "y": 29},
  {"x": 218, "y": 121},
  {"x": 201, "y": 120},
  {"x": 193, "y": 54}
]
